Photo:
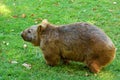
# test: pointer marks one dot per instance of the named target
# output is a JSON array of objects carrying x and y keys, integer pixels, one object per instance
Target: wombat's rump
[{"x": 81, "y": 42}]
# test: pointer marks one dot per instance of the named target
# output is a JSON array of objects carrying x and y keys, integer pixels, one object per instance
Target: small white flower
[
  {"x": 114, "y": 2},
  {"x": 86, "y": 74},
  {"x": 4, "y": 42},
  {"x": 25, "y": 46},
  {"x": 95, "y": 74},
  {"x": 7, "y": 44}
]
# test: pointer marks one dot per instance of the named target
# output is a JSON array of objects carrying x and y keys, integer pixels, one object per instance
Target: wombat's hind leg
[{"x": 94, "y": 67}]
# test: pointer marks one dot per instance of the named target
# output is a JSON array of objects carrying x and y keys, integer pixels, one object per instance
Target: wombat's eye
[{"x": 29, "y": 31}]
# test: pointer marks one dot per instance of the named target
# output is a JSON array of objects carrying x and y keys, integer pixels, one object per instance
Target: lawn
[{"x": 20, "y": 60}]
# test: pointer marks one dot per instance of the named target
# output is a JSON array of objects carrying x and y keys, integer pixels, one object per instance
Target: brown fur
[{"x": 81, "y": 42}]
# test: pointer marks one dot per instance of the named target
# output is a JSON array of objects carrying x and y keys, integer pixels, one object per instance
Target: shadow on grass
[{"x": 73, "y": 68}]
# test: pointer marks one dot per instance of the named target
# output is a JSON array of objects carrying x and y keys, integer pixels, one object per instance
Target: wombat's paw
[
  {"x": 95, "y": 68},
  {"x": 85, "y": 67},
  {"x": 66, "y": 62},
  {"x": 51, "y": 63}
]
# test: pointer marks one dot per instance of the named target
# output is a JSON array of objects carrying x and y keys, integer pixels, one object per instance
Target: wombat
[{"x": 79, "y": 41}]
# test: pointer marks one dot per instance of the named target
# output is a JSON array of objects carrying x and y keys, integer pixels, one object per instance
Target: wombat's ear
[
  {"x": 41, "y": 27},
  {"x": 45, "y": 21}
]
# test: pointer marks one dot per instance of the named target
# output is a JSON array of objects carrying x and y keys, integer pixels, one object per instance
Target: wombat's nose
[{"x": 21, "y": 34}]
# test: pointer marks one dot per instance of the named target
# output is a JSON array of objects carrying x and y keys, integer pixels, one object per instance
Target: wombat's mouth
[{"x": 28, "y": 39}]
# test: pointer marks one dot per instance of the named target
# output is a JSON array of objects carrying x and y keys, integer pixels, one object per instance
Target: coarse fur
[{"x": 81, "y": 42}]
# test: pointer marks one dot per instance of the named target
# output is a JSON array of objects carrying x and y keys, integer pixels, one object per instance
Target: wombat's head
[{"x": 32, "y": 34}]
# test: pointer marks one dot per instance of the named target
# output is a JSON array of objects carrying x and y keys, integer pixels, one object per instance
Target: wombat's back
[{"x": 83, "y": 32}]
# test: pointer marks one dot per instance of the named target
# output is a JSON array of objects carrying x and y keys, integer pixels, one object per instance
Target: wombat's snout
[
  {"x": 26, "y": 37},
  {"x": 22, "y": 34}
]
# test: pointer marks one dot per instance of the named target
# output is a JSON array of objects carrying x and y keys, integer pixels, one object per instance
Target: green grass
[{"x": 103, "y": 13}]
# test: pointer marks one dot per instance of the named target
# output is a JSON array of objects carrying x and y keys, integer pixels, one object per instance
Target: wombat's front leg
[{"x": 51, "y": 59}]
